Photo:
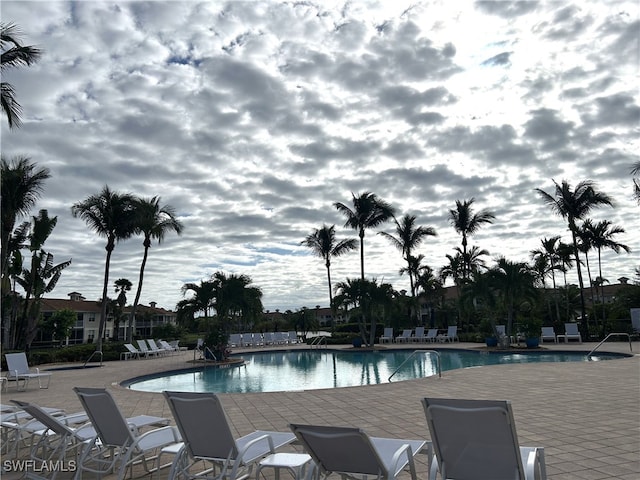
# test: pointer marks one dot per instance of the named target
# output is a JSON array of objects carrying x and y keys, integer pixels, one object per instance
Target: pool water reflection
[{"x": 316, "y": 369}]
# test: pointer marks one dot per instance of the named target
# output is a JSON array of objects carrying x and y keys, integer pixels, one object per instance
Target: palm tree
[
  {"x": 21, "y": 185},
  {"x": 514, "y": 284},
  {"x": 368, "y": 211},
  {"x": 408, "y": 236},
  {"x": 112, "y": 215},
  {"x": 121, "y": 286},
  {"x": 466, "y": 223},
  {"x": 322, "y": 242},
  {"x": 14, "y": 54},
  {"x": 236, "y": 298},
  {"x": 203, "y": 297},
  {"x": 585, "y": 235},
  {"x": 574, "y": 205},
  {"x": 602, "y": 234},
  {"x": 153, "y": 222}
]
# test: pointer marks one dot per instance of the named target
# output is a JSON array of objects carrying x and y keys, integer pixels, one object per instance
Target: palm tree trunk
[
  {"x": 132, "y": 316},
  {"x": 103, "y": 308},
  {"x": 583, "y": 309},
  {"x": 604, "y": 313},
  {"x": 593, "y": 298}
]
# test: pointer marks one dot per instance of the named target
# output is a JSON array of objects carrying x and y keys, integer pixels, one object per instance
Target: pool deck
[{"x": 585, "y": 414}]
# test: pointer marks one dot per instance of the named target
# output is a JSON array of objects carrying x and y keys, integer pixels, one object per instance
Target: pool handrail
[
  {"x": 614, "y": 334},
  {"x": 438, "y": 362}
]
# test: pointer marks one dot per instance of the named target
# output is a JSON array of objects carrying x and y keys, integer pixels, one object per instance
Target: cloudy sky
[{"x": 252, "y": 118}]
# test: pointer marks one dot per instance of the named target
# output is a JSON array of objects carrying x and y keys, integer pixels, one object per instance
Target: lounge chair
[
  {"x": 352, "y": 453},
  {"x": 451, "y": 335},
  {"x": 293, "y": 336},
  {"x": 132, "y": 352},
  {"x": 18, "y": 370},
  {"x": 387, "y": 336},
  {"x": 56, "y": 440},
  {"x": 570, "y": 333},
  {"x": 207, "y": 437},
  {"x": 145, "y": 350},
  {"x": 432, "y": 335},
  {"x": 418, "y": 335},
  {"x": 118, "y": 443},
  {"x": 548, "y": 333},
  {"x": 155, "y": 348},
  {"x": 405, "y": 337},
  {"x": 476, "y": 439},
  {"x": 235, "y": 340},
  {"x": 171, "y": 349}
]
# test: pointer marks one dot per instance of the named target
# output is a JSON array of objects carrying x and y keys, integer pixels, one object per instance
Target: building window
[
  {"x": 91, "y": 335},
  {"x": 92, "y": 317}
]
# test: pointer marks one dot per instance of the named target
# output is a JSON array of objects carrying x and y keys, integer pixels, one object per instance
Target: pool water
[{"x": 316, "y": 369}]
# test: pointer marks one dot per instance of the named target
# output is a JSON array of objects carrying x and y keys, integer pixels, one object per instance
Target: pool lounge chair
[
  {"x": 132, "y": 352},
  {"x": 548, "y": 333},
  {"x": 55, "y": 440},
  {"x": 207, "y": 438},
  {"x": 387, "y": 336},
  {"x": 154, "y": 347},
  {"x": 118, "y": 444},
  {"x": 570, "y": 333},
  {"x": 418, "y": 335},
  {"x": 18, "y": 370},
  {"x": 405, "y": 337},
  {"x": 145, "y": 350},
  {"x": 451, "y": 335},
  {"x": 476, "y": 439},
  {"x": 352, "y": 453},
  {"x": 432, "y": 335}
]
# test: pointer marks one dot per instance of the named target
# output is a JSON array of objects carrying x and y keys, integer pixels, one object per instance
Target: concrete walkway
[{"x": 585, "y": 414}]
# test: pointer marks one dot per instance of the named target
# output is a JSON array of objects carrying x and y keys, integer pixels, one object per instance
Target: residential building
[{"x": 88, "y": 318}]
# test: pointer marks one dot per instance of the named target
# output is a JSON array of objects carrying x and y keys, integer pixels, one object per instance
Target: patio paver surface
[{"x": 585, "y": 414}]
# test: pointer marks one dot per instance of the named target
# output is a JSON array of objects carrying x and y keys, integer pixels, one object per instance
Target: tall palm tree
[
  {"x": 121, "y": 286},
  {"x": 575, "y": 205},
  {"x": 602, "y": 234},
  {"x": 153, "y": 221},
  {"x": 112, "y": 215},
  {"x": 22, "y": 183},
  {"x": 408, "y": 236},
  {"x": 466, "y": 223},
  {"x": 368, "y": 211},
  {"x": 585, "y": 244},
  {"x": 322, "y": 242},
  {"x": 14, "y": 54}
]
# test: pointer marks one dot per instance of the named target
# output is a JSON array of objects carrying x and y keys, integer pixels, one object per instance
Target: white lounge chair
[
  {"x": 570, "y": 333},
  {"x": 451, "y": 335},
  {"x": 548, "y": 333},
  {"x": 432, "y": 335},
  {"x": 352, "y": 453},
  {"x": 476, "y": 439},
  {"x": 118, "y": 444},
  {"x": 293, "y": 336},
  {"x": 155, "y": 348},
  {"x": 145, "y": 350},
  {"x": 54, "y": 440},
  {"x": 18, "y": 370},
  {"x": 132, "y": 352},
  {"x": 387, "y": 336},
  {"x": 418, "y": 335},
  {"x": 235, "y": 340},
  {"x": 405, "y": 337},
  {"x": 207, "y": 438}
]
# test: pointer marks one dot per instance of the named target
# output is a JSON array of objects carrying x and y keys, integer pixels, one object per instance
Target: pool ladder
[
  {"x": 413, "y": 354},
  {"x": 607, "y": 337}
]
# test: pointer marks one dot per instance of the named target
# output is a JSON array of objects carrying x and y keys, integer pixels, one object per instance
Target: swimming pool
[{"x": 316, "y": 369}]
